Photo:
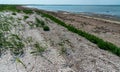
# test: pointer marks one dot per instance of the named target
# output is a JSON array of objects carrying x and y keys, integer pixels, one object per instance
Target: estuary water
[{"x": 98, "y": 9}]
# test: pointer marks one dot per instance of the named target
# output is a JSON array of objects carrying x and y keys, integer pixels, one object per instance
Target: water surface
[{"x": 99, "y": 9}]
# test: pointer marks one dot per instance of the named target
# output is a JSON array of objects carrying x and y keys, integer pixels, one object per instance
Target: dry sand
[{"x": 80, "y": 56}]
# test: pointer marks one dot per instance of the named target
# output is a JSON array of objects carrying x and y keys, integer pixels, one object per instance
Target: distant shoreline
[
  {"x": 106, "y": 14},
  {"x": 102, "y": 17},
  {"x": 93, "y": 15},
  {"x": 62, "y": 4}
]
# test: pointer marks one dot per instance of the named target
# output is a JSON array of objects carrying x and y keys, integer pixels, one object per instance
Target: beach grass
[
  {"x": 8, "y": 40},
  {"x": 28, "y": 11},
  {"x": 40, "y": 23},
  {"x": 19, "y": 61},
  {"x": 25, "y": 17},
  {"x": 38, "y": 49},
  {"x": 9, "y": 7}
]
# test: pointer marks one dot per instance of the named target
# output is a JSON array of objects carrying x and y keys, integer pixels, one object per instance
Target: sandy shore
[
  {"x": 103, "y": 27},
  {"x": 64, "y": 51}
]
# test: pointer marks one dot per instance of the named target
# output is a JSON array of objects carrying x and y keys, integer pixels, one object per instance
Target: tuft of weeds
[
  {"x": 31, "y": 25},
  {"x": 29, "y": 39},
  {"x": 8, "y": 40},
  {"x": 16, "y": 46},
  {"x": 13, "y": 13},
  {"x": 46, "y": 28},
  {"x": 38, "y": 49},
  {"x": 63, "y": 50},
  {"x": 26, "y": 17},
  {"x": 42, "y": 24},
  {"x": 5, "y": 26},
  {"x": 39, "y": 23},
  {"x": 28, "y": 11},
  {"x": 19, "y": 61}
]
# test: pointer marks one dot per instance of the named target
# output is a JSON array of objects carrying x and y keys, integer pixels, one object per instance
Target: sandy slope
[{"x": 80, "y": 56}]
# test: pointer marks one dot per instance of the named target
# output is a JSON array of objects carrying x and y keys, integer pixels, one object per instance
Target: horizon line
[{"x": 58, "y": 4}]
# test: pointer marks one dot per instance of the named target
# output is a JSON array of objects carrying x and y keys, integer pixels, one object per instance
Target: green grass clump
[
  {"x": 13, "y": 13},
  {"x": 16, "y": 45},
  {"x": 28, "y": 11},
  {"x": 38, "y": 49},
  {"x": 63, "y": 50},
  {"x": 5, "y": 26},
  {"x": 9, "y": 7},
  {"x": 19, "y": 61},
  {"x": 46, "y": 28},
  {"x": 39, "y": 23},
  {"x": 26, "y": 17},
  {"x": 99, "y": 42}
]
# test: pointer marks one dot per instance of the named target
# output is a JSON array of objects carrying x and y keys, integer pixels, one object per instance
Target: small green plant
[
  {"x": 26, "y": 17},
  {"x": 63, "y": 50},
  {"x": 38, "y": 49},
  {"x": 19, "y": 61},
  {"x": 39, "y": 23},
  {"x": 46, "y": 28},
  {"x": 13, "y": 13},
  {"x": 42, "y": 23},
  {"x": 31, "y": 25},
  {"x": 27, "y": 11},
  {"x": 16, "y": 45},
  {"x": 29, "y": 39}
]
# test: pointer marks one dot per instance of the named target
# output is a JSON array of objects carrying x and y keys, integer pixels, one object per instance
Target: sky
[{"x": 74, "y": 2}]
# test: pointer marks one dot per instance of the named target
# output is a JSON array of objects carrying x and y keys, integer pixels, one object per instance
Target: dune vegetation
[
  {"x": 17, "y": 41},
  {"x": 11, "y": 32}
]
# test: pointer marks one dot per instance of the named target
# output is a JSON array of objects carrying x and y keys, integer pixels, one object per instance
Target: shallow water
[{"x": 99, "y": 9}]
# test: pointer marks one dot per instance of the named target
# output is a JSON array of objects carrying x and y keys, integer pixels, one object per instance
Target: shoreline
[
  {"x": 105, "y": 17},
  {"x": 109, "y": 30},
  {"x": 91, "y": 14},
  {"x": 101, "y": 17}
]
